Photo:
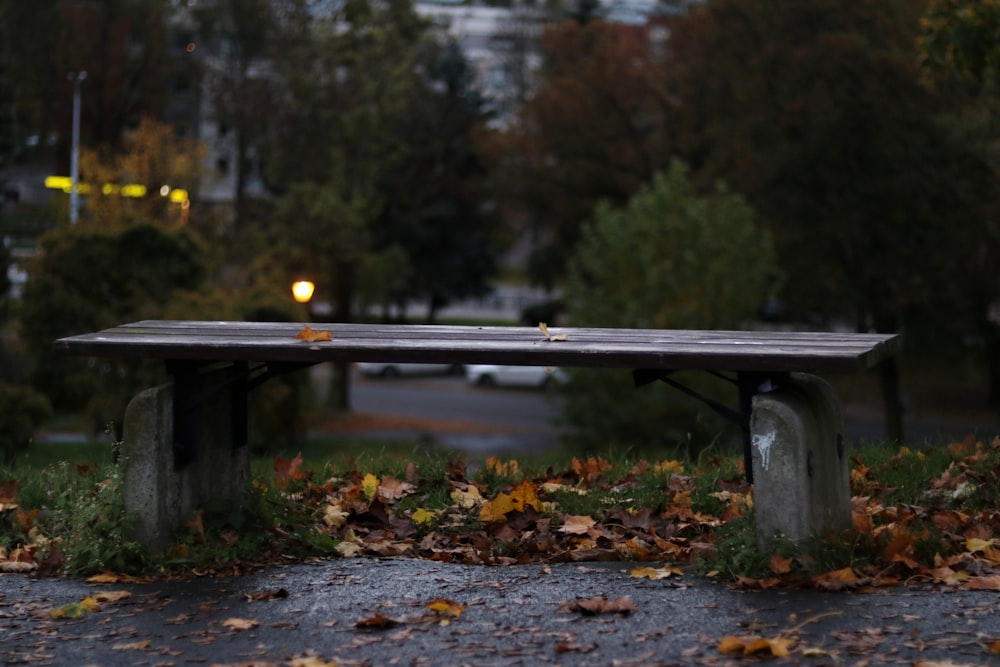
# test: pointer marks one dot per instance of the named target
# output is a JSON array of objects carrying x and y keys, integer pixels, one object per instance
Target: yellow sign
[{"x": 135, "y": 190}]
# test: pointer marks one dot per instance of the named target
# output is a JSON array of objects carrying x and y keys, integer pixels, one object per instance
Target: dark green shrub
[{"x": 22, "y": 411}]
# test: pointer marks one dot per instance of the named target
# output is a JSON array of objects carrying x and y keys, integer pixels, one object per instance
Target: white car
[
  {"x": 489, "y": 375},
  {"x": 391, "y": 370}
]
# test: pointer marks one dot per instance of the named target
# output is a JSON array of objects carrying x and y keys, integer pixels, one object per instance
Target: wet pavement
[{"x": 308, "y": 614}]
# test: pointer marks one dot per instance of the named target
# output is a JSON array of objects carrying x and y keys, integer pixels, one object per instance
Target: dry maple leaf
[
  {"x": 749, "y": 646},
  {"x": 444, "y": 606},
  {"x": 240, "y": 623},
  {"x": 310, "y": 335},
  {"x": 376, "y": 622},
  {"x": 593, "y": 606},
  {"x": 141, "y": 645},
  {"x": 111, "y": 596},
  {"x": 550, "y": 337},
  {"x": 287, "y": 471},
  {"x": 392, "y": 489},
  {"x": 577, "y": 525},
  {"x": 521, "y": 497},
  {"x": 654, "y": 574}
]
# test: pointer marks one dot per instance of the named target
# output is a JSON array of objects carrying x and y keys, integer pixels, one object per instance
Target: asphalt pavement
[{"x": 415, "y": 612}]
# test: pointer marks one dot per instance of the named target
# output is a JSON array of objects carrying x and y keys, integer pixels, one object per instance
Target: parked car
[
  {"x": 489, "y": 375},
  {"x": 390, "y": 370}
]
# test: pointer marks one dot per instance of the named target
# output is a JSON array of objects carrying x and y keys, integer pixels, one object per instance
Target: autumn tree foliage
[
  {"x": 152, "y": 156},
  {"x": 814, "y": 110},
  {"x": 669, "y": 259},
  {"x": 961, "y": 38},
  {"x": 596, "y": 128}
]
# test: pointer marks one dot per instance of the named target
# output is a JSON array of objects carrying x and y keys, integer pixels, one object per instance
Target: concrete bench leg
[
  {"x": 800, "y": 469},
  {"x": 159, "y": 494}
]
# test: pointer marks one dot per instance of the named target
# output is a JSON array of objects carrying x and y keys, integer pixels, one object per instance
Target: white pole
[{"x": 74, "y": 160}]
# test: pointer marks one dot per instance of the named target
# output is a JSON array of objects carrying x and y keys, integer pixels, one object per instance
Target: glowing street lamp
[{"x": 302, "y": 290}]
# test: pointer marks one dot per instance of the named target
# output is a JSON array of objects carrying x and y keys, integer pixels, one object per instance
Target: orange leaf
[
  {"x": 780, "y": 565},
  {"x": 376, "y": 622},
  {"x": 240, "y": 624},
  {"x": 837, "y": 580},
  {"x": 310, "y": 335},
  {"x": 589, "y": 469},
  {"x": 286, "y": 471},
  {"x": 521, "y": 497},
  {"x": 449, "y": 607},
  {"x": 754, "y": 646},
  {"x": 592, "y": 606},
  {"x": 8, "y": 492}
]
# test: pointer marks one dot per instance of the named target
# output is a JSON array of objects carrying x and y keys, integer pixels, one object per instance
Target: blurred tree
[
  {"x": 28, "y": 51},
  {"x": 22, "y": 411},
  {"x": 87, "y": 278},
  {"x": 152, "y": 156},
  {"x": 596, "y": 128},
  {"x": 434, "y": 208},
  {"x": 347, "y": 79},
  {"x": 242, "y": 36},
  {"x": 960, "y": 57},
  {"x": 813, "y": 109},
  {"x": 961, "y": 38},
  {"x": 669, "y": 259}
]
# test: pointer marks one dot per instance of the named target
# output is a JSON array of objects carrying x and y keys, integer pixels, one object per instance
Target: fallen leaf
[
  {"x": 391, "y": 488},
  {"x": 75, "y": 609},
  {"x": 276, "y": 594},
  {"x": 594, "y": 606},
  {"x": 376, "y": 622},
  {"x": 112, "y": 596},
  {"x": 577, "y": 525},
  {"x": 548, "y": 336},
  {"x": 654, "y": 574},
  {"x": 573, "y": 647},
  {"x": 286, "y": 471},
  {"x": 749, "y": 646},
  {"x": 449, "y": 607},
  {"x": 780, "y": 564},
  {"x": 369, "y": 486},
  {"x": 240, "y": 623},
  {"x": 133, "y": 646},
  {"x": 422, "y": 517},
  {"x": 310, "y": 335}
]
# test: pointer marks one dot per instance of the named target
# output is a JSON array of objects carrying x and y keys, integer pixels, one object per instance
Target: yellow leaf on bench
[{"x": 310, "y": 335}]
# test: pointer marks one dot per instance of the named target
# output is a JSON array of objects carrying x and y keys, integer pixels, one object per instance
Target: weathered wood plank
[{"x": 595, "y": 347}]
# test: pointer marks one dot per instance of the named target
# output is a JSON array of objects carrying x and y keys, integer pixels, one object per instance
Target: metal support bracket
[
  {"x": 197, "y": 382},
  {"x": 748, "y": 383}
]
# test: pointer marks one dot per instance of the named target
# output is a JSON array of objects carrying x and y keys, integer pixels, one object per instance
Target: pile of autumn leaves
[
  {"x": 646, "y": 512},
  {"x": 942, "y": 540}
]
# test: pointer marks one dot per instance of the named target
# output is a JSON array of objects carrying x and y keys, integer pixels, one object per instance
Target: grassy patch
[{"x": 917, "y": 514}]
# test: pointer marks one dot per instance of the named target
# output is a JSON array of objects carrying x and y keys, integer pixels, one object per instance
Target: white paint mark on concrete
[{"x": 762, "y": 442}]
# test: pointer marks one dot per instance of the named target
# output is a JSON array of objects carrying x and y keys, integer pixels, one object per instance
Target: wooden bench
[{"x": 184, "y": 442}]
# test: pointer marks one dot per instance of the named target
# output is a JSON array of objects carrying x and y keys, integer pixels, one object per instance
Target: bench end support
[
  {"x": 160, "y": 494},
  {"x": 800, "y": 468}
]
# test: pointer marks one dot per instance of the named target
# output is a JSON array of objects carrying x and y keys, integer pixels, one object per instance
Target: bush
[
  {"x": 671, "y": 259},
  {"x": 22, "y": 411}
]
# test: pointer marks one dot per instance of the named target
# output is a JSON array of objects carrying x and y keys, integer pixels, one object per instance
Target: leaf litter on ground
[{"x": 943, "y": 529}]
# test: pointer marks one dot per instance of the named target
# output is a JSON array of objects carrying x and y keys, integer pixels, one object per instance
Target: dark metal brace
[
  {"x": 196, "y": 382},
  {"x": 748, "y": 383}
]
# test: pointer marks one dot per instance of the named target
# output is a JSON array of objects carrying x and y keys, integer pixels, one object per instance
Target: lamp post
[{"x": 74, "y": 159}]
